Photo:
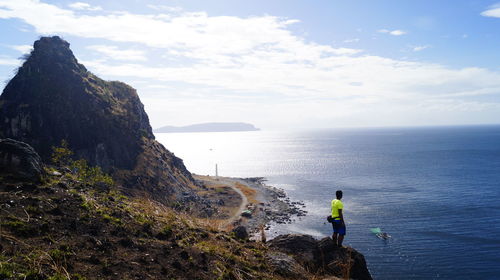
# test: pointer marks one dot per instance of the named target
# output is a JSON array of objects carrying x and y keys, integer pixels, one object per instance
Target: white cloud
[
  {"x": 115, "y": 53},
  {"x": 84, "y": 6},
  {"x": 493, "y": 11},
  {"x": 9, "y": 61},
  {"x": 166, "y": 8},
  {"x": 396, "y": 32},
  {"x": 22, "y": 48},
  {"x": 353, "y": 40},
  {"x": 194, "y": 35},
  {"x": 235, "y": 66},
  {"x": 420, "y": 48},
  {"x": 345, "y": 51}
]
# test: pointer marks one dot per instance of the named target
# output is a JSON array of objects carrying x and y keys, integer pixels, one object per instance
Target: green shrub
[
  {"x": 90, "y": 174},
  {"x": 61, "y": 156}
]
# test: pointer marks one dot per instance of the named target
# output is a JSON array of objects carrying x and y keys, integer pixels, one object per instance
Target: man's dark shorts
[{"x": 338, "y": 227}]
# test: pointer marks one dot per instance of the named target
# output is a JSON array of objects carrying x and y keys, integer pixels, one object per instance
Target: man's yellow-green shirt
[{"x": 336, "y": 205}]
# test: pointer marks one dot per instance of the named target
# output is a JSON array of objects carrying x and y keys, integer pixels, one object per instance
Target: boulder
[
  {"x": 240, "y": 232},
  {"x": 302, "y": 246},
  {"x": 322, "y": 257},
  {"x": 19, "y": 161},
  {"x": 285, "y": 265}
]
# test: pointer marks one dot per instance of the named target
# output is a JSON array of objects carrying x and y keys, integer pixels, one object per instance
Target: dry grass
[
  {"x": 149, "y": 209},
  {"x": 249, "y": 192},
  {"x": 214, "y": 224}
]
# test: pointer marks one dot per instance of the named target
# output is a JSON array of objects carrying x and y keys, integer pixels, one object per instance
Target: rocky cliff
[{"x": 53, "y": 97}]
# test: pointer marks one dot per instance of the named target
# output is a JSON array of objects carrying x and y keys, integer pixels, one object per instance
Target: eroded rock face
[
  {"x": 53, "y": 97},
  {"x": 19, "y": 161},
  {"x": 322, "y": 256}
]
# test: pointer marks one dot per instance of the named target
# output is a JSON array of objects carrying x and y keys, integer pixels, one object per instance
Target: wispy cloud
[
  {"x": 9, "y": 61},
  {"x": 115, "y": 53},
  {"x": 493, "y": 11},
  {"x": 84, "y": 6},
  {"x": 420, "y": 48},
  {"x": 22, "y": 48},
  {"x": 171, "y": 9},
  {"x": 396, "y": 32},
  {"x": 353, "y": 40}
]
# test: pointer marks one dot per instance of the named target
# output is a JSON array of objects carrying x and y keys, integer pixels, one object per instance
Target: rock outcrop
[
  {"x": 319, "y": 257},
  {"x": 53, "y": 97},
  {"x": 286, "y": 265},
  {"x": 18, "y": 161},
  {"x": 240, "y": 232}
]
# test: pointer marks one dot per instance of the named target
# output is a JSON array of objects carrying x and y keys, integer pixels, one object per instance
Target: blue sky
[{"x": 281, "y": 64}]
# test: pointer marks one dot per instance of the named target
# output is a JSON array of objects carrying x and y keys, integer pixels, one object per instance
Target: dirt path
[
  {"x": 243, "y": 205},
  {"x": 232, "y": 184}
]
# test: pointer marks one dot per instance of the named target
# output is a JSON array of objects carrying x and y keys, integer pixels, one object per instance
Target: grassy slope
[{"x": 65, "y": 229}]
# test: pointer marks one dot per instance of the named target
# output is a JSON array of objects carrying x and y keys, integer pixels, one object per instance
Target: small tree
[
  {"x": 90, "y": 174},
  {"x": 61, "y": 156}
]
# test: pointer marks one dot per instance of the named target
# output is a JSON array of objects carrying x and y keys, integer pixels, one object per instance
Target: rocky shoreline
[{"x": 274, "y": 206}]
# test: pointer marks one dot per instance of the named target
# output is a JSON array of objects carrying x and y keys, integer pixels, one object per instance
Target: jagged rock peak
[
  {"x": 54, "y": 54},
  {"x": 51, "y": 43},
  {"x": 53, "y": 47}
]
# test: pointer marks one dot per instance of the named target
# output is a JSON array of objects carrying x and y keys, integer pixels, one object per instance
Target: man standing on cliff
[{"x": 338, "y": 220}]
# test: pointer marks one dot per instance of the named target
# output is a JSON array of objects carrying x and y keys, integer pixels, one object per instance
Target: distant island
[{"x": 209, "y": 127}]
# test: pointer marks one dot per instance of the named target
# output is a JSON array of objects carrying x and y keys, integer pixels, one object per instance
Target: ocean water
[{"x": 436, "y": 191}]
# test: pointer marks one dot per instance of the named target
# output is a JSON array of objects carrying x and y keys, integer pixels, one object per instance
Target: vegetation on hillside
[
  {"x": 61, "y": 156},
  {"x": 79, "y": 225}
]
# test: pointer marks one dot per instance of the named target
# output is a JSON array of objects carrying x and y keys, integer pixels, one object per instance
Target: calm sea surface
[{"x": 436, "y": 191}]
